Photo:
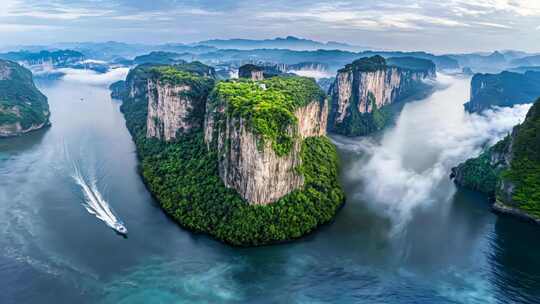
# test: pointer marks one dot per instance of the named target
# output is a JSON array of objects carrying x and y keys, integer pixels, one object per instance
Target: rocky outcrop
[
  {"x": 176, "y": 101},
  {"x": 504, "y": 90},
  {"x": 369, "y": 84},
  {"x": 169, "y": 109},
  {"x": 251, "y": 71},
  {"x": 23, "y": 108},
  {"x": 118, "y": 89},
  {"x": 250, "y": 165}
]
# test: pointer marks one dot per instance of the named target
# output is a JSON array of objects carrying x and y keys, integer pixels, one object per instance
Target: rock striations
[
  {"x": 363, "y": 89},
  {"x": 23, "y": 108},
  {"x": 176, "y": 101},
  {"x": 251, "y": 165},
  {"x": 503, "y": 90}
]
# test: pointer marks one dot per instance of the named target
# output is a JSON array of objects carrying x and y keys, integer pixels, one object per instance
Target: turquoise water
[{"x": 387, "y": 246}]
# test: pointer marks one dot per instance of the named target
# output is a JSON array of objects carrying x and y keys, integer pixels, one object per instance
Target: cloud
[
  {"x": 369, "y": 19},
  {"x": 17, "y": 27},
  {"x": 494, "y": 25},
  {"x": 382, "y": 24},
  {"x": 51, "y": 10},
  {"x": 517, "y": 7},
  {"x": 409, "y": 167},
  {"x": 93, "y": 78}
]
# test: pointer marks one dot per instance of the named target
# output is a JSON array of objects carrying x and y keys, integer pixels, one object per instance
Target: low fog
[
  {"x": 409, "y": 166},
  {"x": 93, "y": 78}
]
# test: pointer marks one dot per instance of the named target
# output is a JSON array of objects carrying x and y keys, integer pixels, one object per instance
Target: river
[{"x": 406, "y": 234}]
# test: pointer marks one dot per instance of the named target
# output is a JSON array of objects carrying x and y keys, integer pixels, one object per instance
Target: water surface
[{"x": 406, "y": 235}]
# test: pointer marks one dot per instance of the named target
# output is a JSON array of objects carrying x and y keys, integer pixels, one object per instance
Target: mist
[
  {"x": 313, "y": 74},
  {"x": 93, "y": 78},
  {"x": 409, "y": 166}
]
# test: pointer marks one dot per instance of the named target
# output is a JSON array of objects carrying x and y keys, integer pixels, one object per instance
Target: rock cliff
[
  {"x": 364, "y": 88},
  {"x": 259, "y": 152},
  {"x": 170, "y": 98},
  {"x": 251, "y": 71},
  {"x": 176, "y": 101},
  {"x": 263, "y": 142},
  {"x": 118, "y": 89},
  {"x": 23, "y": 108},
  {"x": 504, "y": 90}
]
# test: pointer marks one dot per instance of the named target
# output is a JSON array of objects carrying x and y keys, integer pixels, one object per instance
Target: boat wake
[{"x": 95, "y": 204}]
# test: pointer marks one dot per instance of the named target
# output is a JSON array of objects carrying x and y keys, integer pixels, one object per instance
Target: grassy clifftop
[{"x": 268, "y": 105}]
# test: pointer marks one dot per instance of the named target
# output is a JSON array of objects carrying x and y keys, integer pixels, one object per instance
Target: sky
[{"x": 431, "y": 25}]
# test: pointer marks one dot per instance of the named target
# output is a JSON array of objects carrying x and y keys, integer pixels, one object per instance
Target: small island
[
  {"x": 23, "y": 108},
  {"x": 247, "y": 162}
]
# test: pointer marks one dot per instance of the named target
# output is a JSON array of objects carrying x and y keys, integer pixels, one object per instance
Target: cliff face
[
  {"x": 118, "y": 89},
  {"x": 176, "y": 100},
  {"x": 368, "y": 85},
  {"x": 23, "y": 108},
  {"x": 504, "y": 90},
  {"x": 250, "y": 164},
  {"x": 170, "y": 98},
  {"x": 251, "y": 71}
]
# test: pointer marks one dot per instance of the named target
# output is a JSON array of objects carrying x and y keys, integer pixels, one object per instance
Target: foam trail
[{"x": 94, "y": 202}]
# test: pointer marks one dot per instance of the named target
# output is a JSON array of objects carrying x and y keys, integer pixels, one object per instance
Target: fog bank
[{"x": 409, "y": 166}]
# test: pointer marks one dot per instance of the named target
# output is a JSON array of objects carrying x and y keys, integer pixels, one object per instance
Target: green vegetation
[
  {"x": 412, "y": 63},
  {"x": 183, "y": 176},
  {"x": 20, "y": 100},
  {"x": 483, "y": 172},
  {"x": 161, "y": 58},
  {"x": 268, "y": 106},
  {"x": 486, "y": 172},
  {"x": 366, "y": 64},
  {"x": 524, "y": 171},
  {"x": 360, "y": 124},
  {"x": 504, "y": 89}
]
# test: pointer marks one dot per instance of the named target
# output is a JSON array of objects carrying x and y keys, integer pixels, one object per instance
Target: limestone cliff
[
  {"x": 176, "y": 103},
  {"x": 260, "y": 158},
  {"x": 23, "y": 108},
  {"x": 251, "y": 71},
  {"x": 503, "y": 90},
  {"x": 366, "y": 86},
  {"x": 173, "y": 97}
]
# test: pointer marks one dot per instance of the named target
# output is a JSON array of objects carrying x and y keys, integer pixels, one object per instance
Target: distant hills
[{"x": 289, "y": 42}]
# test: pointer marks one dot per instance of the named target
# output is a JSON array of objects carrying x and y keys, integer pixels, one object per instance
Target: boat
[{"x": 120, "y": 228}]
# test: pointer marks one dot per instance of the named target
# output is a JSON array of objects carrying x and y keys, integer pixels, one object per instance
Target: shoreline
[{"x": 502, "y": 209}]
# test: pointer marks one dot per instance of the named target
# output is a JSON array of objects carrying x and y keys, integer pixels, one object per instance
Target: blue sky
[{"x": 438, "y": 26}]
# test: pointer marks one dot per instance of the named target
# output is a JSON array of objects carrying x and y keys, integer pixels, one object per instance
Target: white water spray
[{"x": 94, "y": 202}]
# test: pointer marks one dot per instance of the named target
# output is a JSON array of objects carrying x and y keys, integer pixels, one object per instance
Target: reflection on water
[{"x": 451, "y": 249}]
